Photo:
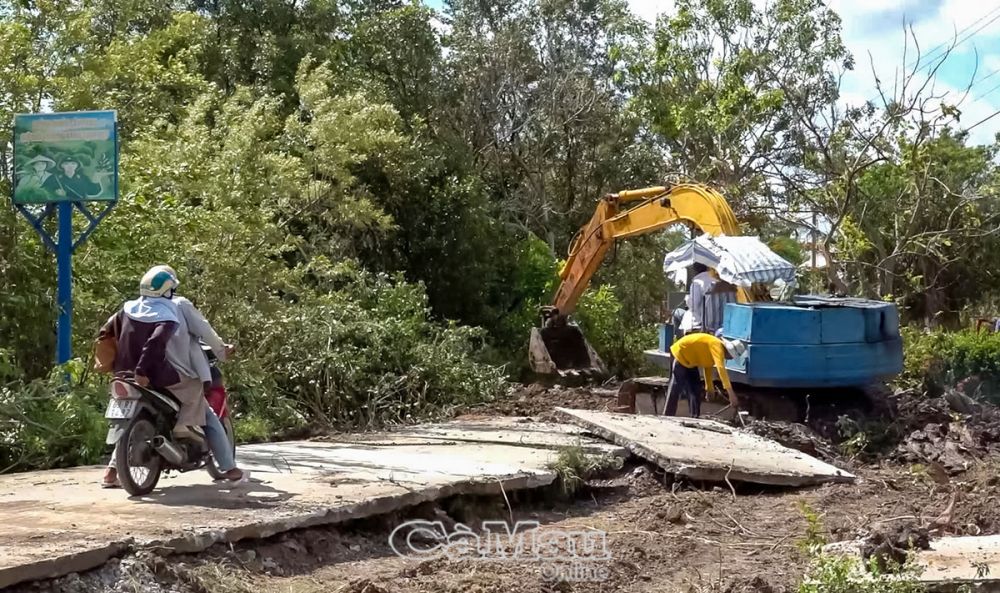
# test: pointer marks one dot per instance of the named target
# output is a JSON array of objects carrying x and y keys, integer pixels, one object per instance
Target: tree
[
  {"x": 723, "y": 81},
  {"x": 534, "y": 97},
  {"x": 895, "y": 186}
]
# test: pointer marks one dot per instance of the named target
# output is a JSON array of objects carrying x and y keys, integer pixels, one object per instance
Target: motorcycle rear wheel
[{"x": 139, "y": 466}]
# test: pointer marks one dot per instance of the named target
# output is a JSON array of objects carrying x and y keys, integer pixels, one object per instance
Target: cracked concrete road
[{"x": 57, "y": 522}]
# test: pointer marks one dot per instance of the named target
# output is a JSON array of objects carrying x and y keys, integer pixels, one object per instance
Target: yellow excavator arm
[
  {"x": 661, "y": 206},
  {"x": 559, "y": 348}
]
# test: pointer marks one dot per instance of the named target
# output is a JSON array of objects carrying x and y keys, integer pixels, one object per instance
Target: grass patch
[
  {"x": 573, "y": 466},
  {"x": 831, "y": 572}
]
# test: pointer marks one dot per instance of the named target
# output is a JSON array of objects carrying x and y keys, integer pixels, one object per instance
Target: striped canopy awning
[{"x": 740, "y": 261}]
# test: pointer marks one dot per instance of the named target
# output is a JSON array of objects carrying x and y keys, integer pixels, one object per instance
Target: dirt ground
[{"x": 662, "y": 535}]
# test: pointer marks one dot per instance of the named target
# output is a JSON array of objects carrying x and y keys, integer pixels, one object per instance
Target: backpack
[{"x": 106, "y": 346}]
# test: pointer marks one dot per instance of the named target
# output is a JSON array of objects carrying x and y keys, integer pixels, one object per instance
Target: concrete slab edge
[
  {"x": 62, "y": 565},
  {"x": 708, "y": 474},
  {"x": 199, "y": 541},
  {"x": 589, "y": 447}
]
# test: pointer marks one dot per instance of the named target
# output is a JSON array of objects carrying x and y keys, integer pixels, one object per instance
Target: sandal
[
  {"x": 243, "y": 479},
  {"x": 106, "y": 483}
]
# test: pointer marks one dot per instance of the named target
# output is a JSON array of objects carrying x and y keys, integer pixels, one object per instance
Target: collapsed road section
[
  {"x": 57, "y": 522},
  {"x": 703, "y": 449}
]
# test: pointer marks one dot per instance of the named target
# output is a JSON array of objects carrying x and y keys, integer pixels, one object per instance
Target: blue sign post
[{"x": 64, "y": 162}]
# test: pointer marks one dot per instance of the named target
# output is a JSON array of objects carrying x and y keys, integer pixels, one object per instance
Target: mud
[
  {"x": 950, "y": 432},
  {"x": 795, "y": 436},
  {"x": 540, "y": 401}
]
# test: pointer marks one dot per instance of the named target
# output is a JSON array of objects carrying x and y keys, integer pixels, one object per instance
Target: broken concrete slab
[
  {"x": 60, "y": 521},
  {"x": 513, "y": 430},
  {"x": 961, "y": 560},
  {"x": 707, "y": 450},
  {"x": 948, "y": 563}
]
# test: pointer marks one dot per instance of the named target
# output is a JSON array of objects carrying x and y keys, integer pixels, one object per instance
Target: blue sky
[{"x": 876, "y": 28}]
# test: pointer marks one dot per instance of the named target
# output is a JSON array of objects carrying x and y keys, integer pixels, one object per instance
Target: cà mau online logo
[{"x": 566, "y": 555}]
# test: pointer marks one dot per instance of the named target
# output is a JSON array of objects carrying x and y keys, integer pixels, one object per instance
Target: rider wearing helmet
[
  {"x": 187, "y": 355},
  {"x": 154, "y": 344},
  {"x": 143, "y": 327}
]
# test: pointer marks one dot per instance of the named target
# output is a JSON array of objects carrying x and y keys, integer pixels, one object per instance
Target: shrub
[
  {"x": 573, "y": 466},
  {"x": 833, "y": 573},
  {"x": 369, "y": 353},
  {"x": 619, "y": 341},
  {"x": 49, "y": 423},
  {"x": 936, "y": 360}
]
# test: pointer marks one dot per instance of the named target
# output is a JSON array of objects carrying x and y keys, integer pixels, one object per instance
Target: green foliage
[
  {"x": 368, "y": 353},
  {"x": 788, "y": 248},
  {"x": 573, "y": 466},
  {"x": 534, "y": 280},
  {"x": 45, "y": 423},
  {"x": 926, "y": 235},
  {"x": 813, "y": 540},
  {"x": 936, "y": 360},
  {"x": 835, "y": 573},
  {"x": 766, "y": 64},
  {"x": 620, "y": 312},
  {"x": 832, "y": 572},
  {"x": 271, "y": 208},
  {"x": 619, "y": 342}
]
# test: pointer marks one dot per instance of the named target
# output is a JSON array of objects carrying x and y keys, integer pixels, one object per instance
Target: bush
[
  {"x": 619, "y": 341},
  {"x": 573, "y": 466},
  {"x": 833, "y": 573},
  {"x": 49, "y": 423},
  {"x": 369, "y": 354},
  {"x": 937, "y": 360}
]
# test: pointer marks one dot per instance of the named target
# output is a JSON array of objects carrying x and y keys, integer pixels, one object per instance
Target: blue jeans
[
  {"x": 218, "y": 443},
  {"x": 683, "y": 379}
]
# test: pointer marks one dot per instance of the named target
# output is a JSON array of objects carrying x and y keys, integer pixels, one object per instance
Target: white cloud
[{"x": 887, "y": 51}]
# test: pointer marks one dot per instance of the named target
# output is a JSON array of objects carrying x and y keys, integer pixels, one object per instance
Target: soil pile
[
  {"x": 540, "y": 401},
  {"x": 951, "y": 431}
]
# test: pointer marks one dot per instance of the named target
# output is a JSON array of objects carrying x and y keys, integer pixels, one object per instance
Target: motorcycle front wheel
[
  {"x": 139, "y": 465},
  {"x": 211, "y": 465}
]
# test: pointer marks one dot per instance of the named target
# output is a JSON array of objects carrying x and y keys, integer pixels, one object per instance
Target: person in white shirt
[{"x": 700, "y": 287}]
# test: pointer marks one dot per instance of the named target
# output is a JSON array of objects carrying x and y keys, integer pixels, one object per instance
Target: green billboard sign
[{"x": 66, "y": 157}]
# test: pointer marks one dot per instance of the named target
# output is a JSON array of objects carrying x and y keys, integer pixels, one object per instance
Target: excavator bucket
[{"x": 563, "y": 353}]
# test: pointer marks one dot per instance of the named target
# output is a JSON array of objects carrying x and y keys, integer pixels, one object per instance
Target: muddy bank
[{"x": 664, "y": 535}]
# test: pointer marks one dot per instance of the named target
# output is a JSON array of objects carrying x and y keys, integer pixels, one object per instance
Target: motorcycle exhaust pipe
[{"x": 168, "y": 450}]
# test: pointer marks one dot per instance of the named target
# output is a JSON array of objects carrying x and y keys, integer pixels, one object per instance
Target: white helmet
[
  {"x": 159, "y": 281},
  {"x": 168, "y": 269},
  {"x": 734, "y": 348}
]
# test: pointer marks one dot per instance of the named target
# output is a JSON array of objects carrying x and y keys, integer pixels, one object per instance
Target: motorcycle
[{"x": 142, "y": 421}]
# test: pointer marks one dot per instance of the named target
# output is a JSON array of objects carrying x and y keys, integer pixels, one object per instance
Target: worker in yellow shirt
[{"x": 694, "y": 352}]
